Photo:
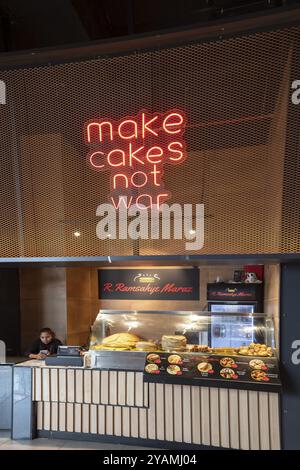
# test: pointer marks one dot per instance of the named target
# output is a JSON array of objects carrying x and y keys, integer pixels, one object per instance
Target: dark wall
[
  {"x": 28, "y": 25},
  {"x": 10, "y": 310},
  {"x": 290, "y": 355}
]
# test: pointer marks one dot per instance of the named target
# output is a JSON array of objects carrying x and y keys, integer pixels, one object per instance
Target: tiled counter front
[{"x": 118, "y": 403}]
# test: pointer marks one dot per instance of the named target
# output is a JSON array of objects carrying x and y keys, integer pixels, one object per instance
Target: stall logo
[
  {"x": 231, "y": 291},
  {"x": 144, "y": 278},
  {"x": 135, "y": 150}
]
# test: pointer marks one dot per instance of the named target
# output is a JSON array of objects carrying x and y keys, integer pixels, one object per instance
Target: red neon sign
[{"x": 135, "y": 149}]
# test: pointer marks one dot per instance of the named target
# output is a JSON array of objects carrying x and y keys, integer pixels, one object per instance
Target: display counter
[
  {"x": 118, "y": 405},
  {"x": 177, "y": 398}
]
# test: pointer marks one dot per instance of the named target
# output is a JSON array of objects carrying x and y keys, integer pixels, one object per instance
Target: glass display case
[
  {"x": 189, "y": 331},
  {"x": 188, "y": 347}
]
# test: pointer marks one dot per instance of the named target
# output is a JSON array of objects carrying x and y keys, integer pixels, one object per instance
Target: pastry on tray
[
  {"x": 121, "y": 340},
  {"x": 173, "y": 343}
]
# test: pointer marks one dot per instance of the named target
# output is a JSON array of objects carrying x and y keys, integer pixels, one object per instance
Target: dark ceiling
[{"x": 34, "y": 24}]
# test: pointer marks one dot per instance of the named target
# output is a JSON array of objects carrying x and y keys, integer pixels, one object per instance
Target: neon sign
[{"x": 135, "y": 150}]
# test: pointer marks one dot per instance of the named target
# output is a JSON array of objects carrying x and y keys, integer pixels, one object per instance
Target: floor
[{"x": 59, "y": 444}]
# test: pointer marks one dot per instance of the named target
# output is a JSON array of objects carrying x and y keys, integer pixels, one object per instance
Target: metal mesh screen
[{"x": 236, "y": 95}]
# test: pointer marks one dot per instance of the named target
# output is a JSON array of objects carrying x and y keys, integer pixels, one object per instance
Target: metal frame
[
  {"x": 289, "y": 332},
  {"x": 217, "y": 383},
  {"x": 200, "y": 313},
  {"x": 159, "y": 260}
]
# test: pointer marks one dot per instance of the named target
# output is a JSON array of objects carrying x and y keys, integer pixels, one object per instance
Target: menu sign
[
  {"x": 145, "y": 284},
  {"x": 197, "y": 366}
]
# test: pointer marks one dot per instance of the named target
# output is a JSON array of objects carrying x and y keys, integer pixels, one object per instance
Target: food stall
[{"x": 153, "y": 378}]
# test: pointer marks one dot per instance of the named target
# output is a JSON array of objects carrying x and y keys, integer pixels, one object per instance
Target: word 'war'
[{"x": 166, "y": 222}]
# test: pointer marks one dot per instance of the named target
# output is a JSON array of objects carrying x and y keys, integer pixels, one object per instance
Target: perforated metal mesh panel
[{"x": 241, "y": 137}]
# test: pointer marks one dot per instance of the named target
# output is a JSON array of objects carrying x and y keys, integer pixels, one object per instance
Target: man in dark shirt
[{"x": 45, "y": 345}]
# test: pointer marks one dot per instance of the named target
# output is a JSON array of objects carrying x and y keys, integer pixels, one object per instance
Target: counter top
[
  {"x": 41, "y": 363},
  {"x": 36, "y": 363},
  {"x": 32, "y": 363}
]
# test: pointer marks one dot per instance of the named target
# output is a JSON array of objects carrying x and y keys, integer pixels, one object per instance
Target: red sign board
[{"x": 155, "y": 284}]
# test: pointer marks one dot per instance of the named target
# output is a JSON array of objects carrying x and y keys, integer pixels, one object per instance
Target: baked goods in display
[
  {"x": 198, "y": 348},
  {"x": 146, "y": 346},
  {"x": 203, "y": 348},
  {"x": 101, "y": 347},
  {"x": 225, "y": 351},
  {"x": 256, "y": 349},
  {"x": 173, "y": 343},
  {"x": 121, "y": 340}
]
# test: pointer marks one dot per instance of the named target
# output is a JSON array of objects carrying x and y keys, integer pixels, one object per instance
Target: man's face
[{"x": 45, "y": 338}]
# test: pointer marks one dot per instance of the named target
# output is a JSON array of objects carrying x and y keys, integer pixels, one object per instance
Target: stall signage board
[
  {"x": 234, "y": 292},
  {"x": 196, "y": 367},
  {"x": 149, "y": 284}
]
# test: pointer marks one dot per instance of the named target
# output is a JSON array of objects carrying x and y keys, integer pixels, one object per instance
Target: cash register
[{"x": 66, "y": 356}]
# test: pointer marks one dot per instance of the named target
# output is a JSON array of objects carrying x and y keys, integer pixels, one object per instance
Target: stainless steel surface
[
  {"x": 5, "y": 396},
  {"x": 113, "y": 360},
  {"x": 177, "y": 312},
  {"x": 23, "y": 424}
]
